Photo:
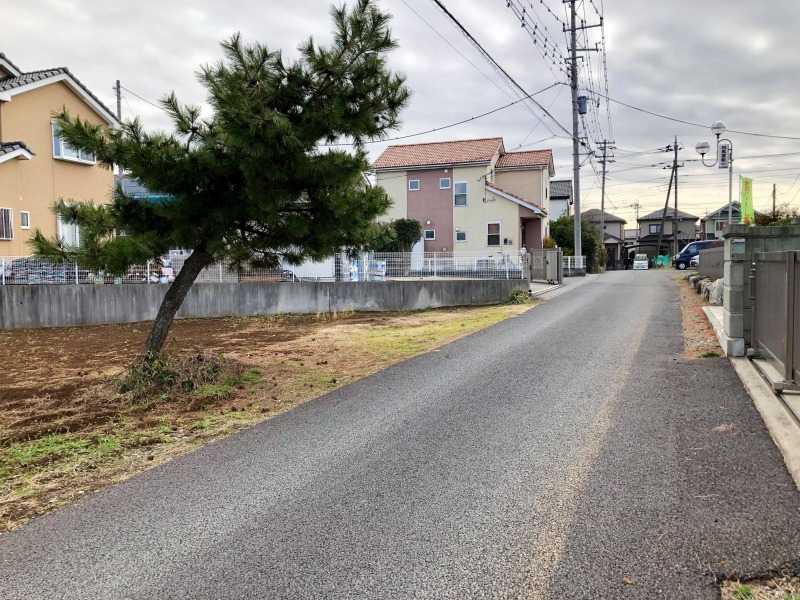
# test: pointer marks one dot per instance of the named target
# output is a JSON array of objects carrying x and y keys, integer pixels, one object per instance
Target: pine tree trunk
[{"x": 173, "y": 299}]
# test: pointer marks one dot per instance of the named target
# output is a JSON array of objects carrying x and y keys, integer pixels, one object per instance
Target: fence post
[
  {"x": 77, "y": 281},
  {"x": 435, "y": 264},
  {"x": 220, "y": 271},
  {"x": 4, "y": 270},
  {"x": 788, "y": 366}
]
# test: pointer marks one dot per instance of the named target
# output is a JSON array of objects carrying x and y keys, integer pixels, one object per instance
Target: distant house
[
  {"x": 560, "y": 198},
  {"x": 678, "y": 231},
  {"x": 469, "y": 195},
  {"x": 711, "y": 226},
  {"x": 613, "y": 236},
  {"x": 36, "y": 166}
]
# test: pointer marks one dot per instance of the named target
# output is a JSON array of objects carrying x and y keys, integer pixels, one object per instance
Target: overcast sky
[{"x": 689, "y": 60}]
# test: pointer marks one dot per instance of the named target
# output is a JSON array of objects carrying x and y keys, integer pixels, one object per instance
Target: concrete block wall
[{"x": 26, "y": 306}]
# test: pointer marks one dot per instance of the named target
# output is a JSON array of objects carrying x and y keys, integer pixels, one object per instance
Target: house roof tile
[
  {"x": 560, "y": 188},
  {"x": 9, "y": 147},
  {"x": 528, "y": 158},
  {"x": 439, "y": 153},
  {"x": 593, "y": 214},
  {"x": 10, "y": 83},
  {"x": 656, "y": 215},
  {"x": 492, "y": 186}
]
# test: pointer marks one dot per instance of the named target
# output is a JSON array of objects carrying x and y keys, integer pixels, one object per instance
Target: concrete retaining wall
[{"x": 70, "y": 305}]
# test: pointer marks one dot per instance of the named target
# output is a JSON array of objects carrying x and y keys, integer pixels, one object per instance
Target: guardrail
[{"x": 373, "y": 266}]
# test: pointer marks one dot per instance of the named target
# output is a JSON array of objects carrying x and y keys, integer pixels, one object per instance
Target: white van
[{"x": 640, "y": 261}]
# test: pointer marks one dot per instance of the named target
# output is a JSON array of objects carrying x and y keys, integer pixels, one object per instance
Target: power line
[
  {"x": 410, "y": 135},
  {"x": 494, "y": 63}
]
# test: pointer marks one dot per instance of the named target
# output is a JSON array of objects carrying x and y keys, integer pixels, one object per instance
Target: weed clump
[
  {"x": 170, "y": 373},
  {"x": 519, "y": 297}
]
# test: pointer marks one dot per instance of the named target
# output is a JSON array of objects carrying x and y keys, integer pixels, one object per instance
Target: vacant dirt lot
[{"x": 66, "y": 431}]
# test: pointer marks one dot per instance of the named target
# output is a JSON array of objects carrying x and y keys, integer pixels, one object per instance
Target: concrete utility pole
[
  {"x": 664, "y": 214},
  {"x": 606, "y": 159},
  {"x": 773, "y": 201},
  {"x": 576, "y": 161},
  {"x": 118, "y": 90},
  {"x": 675, "y": 216},
  {"x": 573, "y": 76}
]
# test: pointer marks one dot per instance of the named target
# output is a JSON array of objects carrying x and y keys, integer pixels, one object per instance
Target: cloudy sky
[{"x": 685, "y": 60}]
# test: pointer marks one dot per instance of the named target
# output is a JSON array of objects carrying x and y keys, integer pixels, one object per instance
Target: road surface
[{"x": 570, "y": 452}]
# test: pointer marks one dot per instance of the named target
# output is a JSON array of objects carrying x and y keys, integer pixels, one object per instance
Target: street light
[{"x": 718, "y": 128}]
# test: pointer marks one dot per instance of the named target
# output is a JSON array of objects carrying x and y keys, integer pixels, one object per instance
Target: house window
[
  {"x": 460, "y": 193},
  {"x": 64, "y": 151},
  {"x": 461, "y": 236},
  {"x": 413, "y": 185},
  {"x": 655, "y": 228},
  {"x": 719, "y": 225},
  {"x": 6, "y": 224},
  {"x": 25, "y": 219},
  {"x": 493, "y": 234},
  {"x": 444, "y": 183},
  {"x": 430, "y": 234},
  {"x": 69, "y": 232}
]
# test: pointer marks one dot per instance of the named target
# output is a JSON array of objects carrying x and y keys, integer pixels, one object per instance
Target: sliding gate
[{"x": 774, "y": 282}]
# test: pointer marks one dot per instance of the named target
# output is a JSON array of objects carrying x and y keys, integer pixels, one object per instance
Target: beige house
[
  {"x": 613, "y": 236},
  {"x": 36, "y": 167},
  {"x": 469, "y": 195},
  {"x": 679, "y": 229}
]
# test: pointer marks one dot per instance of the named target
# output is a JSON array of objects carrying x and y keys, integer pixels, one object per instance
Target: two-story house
[
  {"x": 613, "y": 236},
  {"x": 678, "y": 231},
  {"x": 560, "y": 198},
  {"x": 469, "y": 195},
  {"x": 711, "y": 226},
  {"x": 36, "y": 167}
]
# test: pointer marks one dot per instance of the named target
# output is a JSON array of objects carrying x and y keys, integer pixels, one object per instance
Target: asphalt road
[{"x": 566, "y": 453}]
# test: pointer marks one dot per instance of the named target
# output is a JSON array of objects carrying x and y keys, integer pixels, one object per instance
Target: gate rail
[{"x": 775, "y": 277}]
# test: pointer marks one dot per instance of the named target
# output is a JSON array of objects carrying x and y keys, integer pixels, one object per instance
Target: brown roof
[
  {"x": 439, "y": 153},
  {"x": 494, "y": 187},
  {"x": 529, "y": 158}
]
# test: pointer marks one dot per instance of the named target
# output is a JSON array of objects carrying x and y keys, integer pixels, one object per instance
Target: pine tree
[{"x": 254, "y": 182}]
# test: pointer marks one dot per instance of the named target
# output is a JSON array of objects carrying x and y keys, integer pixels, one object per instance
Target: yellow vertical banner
[{"x": 746, "y": 212}]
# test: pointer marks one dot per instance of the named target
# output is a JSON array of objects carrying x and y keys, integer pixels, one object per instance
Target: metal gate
[
  {"x": 775, "y": 335},
  {"x": 545, "y": 265}
]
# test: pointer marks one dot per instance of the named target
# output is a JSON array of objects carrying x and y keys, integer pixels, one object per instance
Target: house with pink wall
[{"x": 469, "y": 195}]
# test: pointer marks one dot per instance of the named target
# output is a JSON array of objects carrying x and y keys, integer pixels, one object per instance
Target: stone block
[
  {"x": 733, "y": 298},
  {"x": 733, "y": 324},
  {"x": 735, "y": 273},
  {"x": 715, "y": 292}
]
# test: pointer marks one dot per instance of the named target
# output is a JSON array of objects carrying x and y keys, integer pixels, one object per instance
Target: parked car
[
  {"x": 683, "y": 259},
  {"x": 695, "y": 262},
  {"x": 640, "y": 261}
]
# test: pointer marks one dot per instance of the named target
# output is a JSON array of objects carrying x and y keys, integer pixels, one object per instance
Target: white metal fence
[
  {"x": 573, "y": 263},
  {"x": 340, "y": 267}
]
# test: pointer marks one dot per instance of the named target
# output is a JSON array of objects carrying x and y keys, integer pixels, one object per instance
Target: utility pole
[
  {"x": 573, "y": 76},
  {"x": 576, "y": 162},
  {"x": 606, "y": 159},
  {"x": 773, "y": 201},
  {"x": 675, "y": 216},
  {"x": 636, "y": 206},
  {"x": 118, "y": 90},
  {"x": 664, "y": 214}
]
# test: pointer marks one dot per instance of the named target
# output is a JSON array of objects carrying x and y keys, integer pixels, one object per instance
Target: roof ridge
[{"x": 486, "y": 139}]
